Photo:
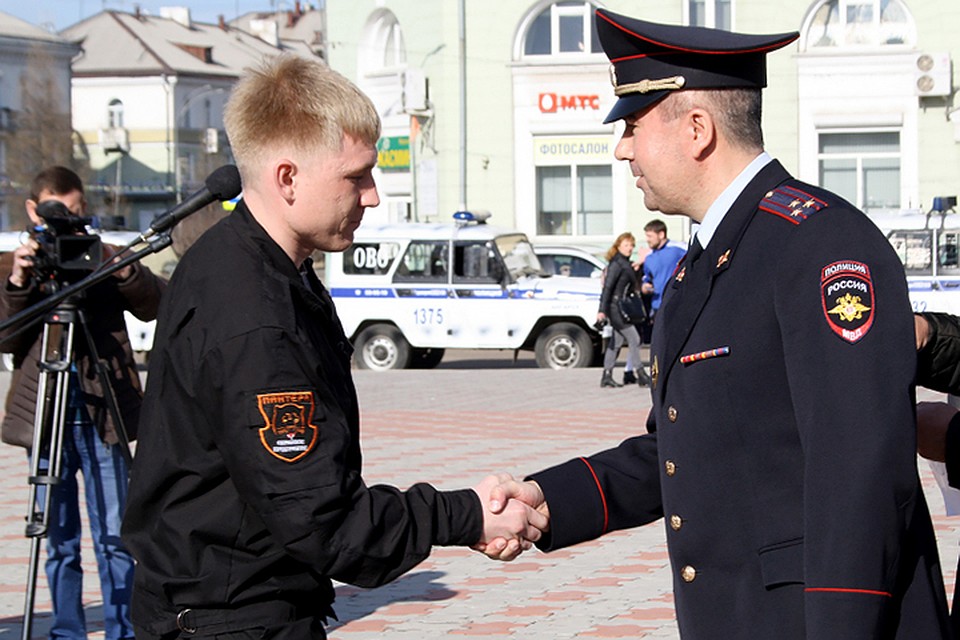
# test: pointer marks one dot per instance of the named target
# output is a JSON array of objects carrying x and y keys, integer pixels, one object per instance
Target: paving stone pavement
[{"x": 451, "y": 427}]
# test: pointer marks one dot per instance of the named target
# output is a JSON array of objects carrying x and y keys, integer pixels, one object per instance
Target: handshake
[{"x": 515, "y": 515}]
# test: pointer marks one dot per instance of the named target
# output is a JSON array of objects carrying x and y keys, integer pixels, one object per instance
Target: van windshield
[{"x": 518, "y": 255}]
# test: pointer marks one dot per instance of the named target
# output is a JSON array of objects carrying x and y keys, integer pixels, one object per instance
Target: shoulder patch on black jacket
[{"x": 792, "y": 203}]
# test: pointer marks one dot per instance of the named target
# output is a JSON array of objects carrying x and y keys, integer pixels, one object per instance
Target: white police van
[
  {"x": 927, "y": 244},
  {"x": 407, "y": 292}
]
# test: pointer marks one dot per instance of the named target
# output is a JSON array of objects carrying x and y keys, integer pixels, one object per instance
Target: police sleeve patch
[
  {"x": 847, "y": 295},
  {"x": 288, "y": 433}
]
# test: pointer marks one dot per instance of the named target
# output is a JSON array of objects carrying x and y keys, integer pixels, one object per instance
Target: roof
[
  {"x": 302, "y": 26},
  {"x": 14, "y": 27},
  {"x": 116, "y": 43},
  {"x": 430, "y": 231}
]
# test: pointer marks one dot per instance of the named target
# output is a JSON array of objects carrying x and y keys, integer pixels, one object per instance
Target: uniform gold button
[
  {"x": 672, "y": 414},
  {"x": 688, "y": 573},
  {"x": 670, "y": 466},
  {"x": 676, "y": 522}
]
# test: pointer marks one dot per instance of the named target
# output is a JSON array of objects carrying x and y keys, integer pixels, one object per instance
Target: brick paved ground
[{"x": 450, "y": 427}]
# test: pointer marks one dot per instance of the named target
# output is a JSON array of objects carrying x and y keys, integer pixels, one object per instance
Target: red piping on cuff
[
  {"x": 869, "y": 592},
  {"x": 603, "y": 498}
]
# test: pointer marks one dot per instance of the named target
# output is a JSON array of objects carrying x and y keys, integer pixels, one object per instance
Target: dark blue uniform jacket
[{"x": 784, "y": 458}]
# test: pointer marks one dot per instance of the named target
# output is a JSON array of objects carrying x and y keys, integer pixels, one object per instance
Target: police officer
[
  {"x": 246, "y": 497},
  {"x": 784, "y": 458}
]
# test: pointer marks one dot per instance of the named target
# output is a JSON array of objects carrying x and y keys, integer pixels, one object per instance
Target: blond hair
[{"x": 297, "y": 102}]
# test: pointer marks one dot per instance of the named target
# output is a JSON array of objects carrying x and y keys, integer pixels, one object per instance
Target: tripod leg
[{"x": 47, "y": 437}]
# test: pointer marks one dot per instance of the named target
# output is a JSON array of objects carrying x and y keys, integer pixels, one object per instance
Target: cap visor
[{"x": 630, "y": 104}]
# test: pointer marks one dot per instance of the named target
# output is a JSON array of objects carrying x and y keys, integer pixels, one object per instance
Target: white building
[
  {"x": 508, "y": 118},
  {"x": 148, "y": 97}
]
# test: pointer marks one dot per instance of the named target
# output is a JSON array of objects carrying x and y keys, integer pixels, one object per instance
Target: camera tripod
[{"x": 53, "y": 385}]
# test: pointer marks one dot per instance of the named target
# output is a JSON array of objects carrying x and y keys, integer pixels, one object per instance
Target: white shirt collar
[{"x": 722, "y": 204}]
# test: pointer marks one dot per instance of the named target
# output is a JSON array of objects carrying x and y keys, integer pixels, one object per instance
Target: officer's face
[
  {"x": 652, "y": 146},
  {"x": 337, "y": 189}
]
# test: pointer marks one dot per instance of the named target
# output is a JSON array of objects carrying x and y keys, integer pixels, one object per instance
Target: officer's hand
[
  {"x": 933, "y": 418},
  {"x": 922, "y": 329},
  {"x": 23, "y": 263},
  {"x": 510, "y": 526}
]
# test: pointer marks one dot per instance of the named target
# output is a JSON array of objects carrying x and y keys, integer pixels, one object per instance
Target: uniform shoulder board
[{"x": 792, "y": 202}]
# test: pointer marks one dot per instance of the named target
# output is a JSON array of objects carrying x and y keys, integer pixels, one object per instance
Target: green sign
[{"x": 393, "y": 153}]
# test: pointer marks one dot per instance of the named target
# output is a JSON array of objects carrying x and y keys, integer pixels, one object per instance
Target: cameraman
[{"x": 90, "y": 441}]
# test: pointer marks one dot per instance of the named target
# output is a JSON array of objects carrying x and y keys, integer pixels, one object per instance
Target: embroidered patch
[
  {"x": 847, "y": 295},
  {"x": 791, "y": 204},
  {"x": 288, "y": 433}
]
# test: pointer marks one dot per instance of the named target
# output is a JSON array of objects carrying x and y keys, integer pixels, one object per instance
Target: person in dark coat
[
  {"x": 784, "y": 459},
  {"x": 93, "y": 442},
  {"x": 619, "y": 280},
  {"x": 247, "y": 497}
]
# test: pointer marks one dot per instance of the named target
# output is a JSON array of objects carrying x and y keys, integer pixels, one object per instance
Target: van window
[
  {"x": 425, "y": 261},
  {"x": 914, "y": 249},
  {"x": 476, "y": 262}
]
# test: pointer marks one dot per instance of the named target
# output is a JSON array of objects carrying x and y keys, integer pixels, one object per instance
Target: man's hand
[
  {"x": 933, "y": 418},
  {"x": 922, "y": 329},
  {"x": 514, "y": 525},
  {"x": 646, "y": 287},
  {"x": 509, "y": 493},
  {"x": 23, "y": 263}
]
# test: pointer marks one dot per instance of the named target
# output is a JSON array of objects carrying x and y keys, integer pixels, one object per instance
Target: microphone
[{"x": 222, "y": 184}]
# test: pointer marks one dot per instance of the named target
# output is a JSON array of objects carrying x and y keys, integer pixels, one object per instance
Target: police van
[
  {"x": 927, "y": 244},
  {"x": 407, "y": 292}
]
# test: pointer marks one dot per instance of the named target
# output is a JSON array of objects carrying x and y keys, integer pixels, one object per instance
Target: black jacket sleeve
[{"x": 938, "y": 363}]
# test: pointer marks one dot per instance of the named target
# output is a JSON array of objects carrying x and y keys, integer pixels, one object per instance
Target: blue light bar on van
[{"x": 467, "y": 217}]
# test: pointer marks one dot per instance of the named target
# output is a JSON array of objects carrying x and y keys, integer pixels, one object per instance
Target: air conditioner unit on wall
[
  {"x": 933, "y": 75},
  {"x": 114, "y": 140},
  {"x": 416, "y": 92},
  {"x": 211, "y": 140}
]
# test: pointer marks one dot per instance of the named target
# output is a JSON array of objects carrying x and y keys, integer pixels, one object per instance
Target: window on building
[
  {"x": 562, "y": 28},
  {"x": 383, "y": 47},
  {"x": 115, "y": 114},
  {"x": 575, "y": 200},
  {"x": 863, "y": 167},
  {"x": 858, "y": 23},
  {"x": 716, "y": 14}
]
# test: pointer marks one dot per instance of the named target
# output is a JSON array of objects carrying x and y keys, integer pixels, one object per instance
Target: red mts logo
[{"x": 551, "y": 102}]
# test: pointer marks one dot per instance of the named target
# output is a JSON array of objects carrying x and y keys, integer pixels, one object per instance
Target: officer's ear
[{"x": 702, "y": 131}]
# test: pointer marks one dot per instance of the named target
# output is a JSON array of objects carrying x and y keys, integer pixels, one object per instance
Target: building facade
[
  {"x": 148, "y": 97},
  {"x": 498, "y": 105},
  {"x": 27, "y": 52}
]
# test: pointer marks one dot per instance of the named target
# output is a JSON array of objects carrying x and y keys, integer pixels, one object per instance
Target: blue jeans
[{"x": 105, "y": 486}]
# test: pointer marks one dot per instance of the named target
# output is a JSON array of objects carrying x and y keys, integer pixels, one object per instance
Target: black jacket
[
  {"x": 619, "y": 279},
  {"x": 784, "y": 458},
  {"x": 247, "y": 483}
]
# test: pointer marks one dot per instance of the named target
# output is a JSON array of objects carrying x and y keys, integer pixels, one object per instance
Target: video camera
[{"x": 65, "y": 245}]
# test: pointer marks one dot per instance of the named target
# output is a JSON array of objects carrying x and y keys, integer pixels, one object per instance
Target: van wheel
[
  {"x": 381, "y": 347},
  {"x": 564, "y": 346},
  {"x": 426, "y": 358}
]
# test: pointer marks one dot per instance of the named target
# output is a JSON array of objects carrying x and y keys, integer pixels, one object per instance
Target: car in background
[
  {"x": 406, "y": 292},
  {"x": 575, "y": 262}
]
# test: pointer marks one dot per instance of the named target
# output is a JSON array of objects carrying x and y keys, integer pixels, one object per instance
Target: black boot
[
  {"x": 607, "y": 379},
  {"x": 629, "y": 378},
  {"x": 642, "y": 378}
]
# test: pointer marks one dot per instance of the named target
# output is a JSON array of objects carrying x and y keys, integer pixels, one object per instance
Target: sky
[{"x": 60, "y": 14}]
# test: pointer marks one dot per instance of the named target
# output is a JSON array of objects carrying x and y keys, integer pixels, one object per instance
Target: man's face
[
  {"x": 73, "y": 201},
  {"x": 655, "y": 238},
  {"x": 652, "y": 147},
  {"x": 335, "y": 189}
]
